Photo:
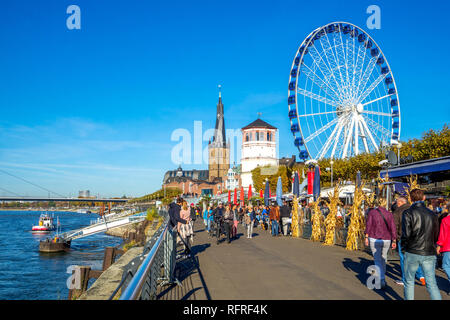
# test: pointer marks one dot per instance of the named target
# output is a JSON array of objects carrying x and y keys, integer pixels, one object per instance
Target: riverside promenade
[{"x": 281, "y": 268}]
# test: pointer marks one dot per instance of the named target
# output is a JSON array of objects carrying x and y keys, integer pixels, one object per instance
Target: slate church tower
[{"x": 218, "y": 148}]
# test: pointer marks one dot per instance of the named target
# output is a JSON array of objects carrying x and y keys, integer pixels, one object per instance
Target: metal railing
[{"x": 155, "y": 266}]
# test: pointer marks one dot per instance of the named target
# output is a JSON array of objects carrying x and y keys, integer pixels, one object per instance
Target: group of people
[
  {"x": 419, "y": 234},
  {"x": 183, "y": 217},
  {"x": 231, "y": 215}
]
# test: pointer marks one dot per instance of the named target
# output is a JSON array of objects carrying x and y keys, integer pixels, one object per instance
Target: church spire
[{"x": 219, "y": 139}]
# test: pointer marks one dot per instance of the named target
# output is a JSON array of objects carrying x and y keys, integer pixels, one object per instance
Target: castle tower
[
  {"x": 258, "y": 148},
  {"x": 218, "y": 148}
]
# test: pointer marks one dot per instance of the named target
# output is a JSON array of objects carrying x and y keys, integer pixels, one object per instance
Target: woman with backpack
[{"x": 381, "y": 234}]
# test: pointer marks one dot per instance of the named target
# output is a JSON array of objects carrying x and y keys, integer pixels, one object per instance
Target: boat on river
[{"x": 45, "y": 224}]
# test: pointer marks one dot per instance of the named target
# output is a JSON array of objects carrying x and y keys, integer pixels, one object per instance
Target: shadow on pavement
[{"x": 360, "y": 269}]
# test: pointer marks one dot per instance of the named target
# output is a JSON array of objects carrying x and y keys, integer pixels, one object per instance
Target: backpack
[{"x": 247, "y": 219}]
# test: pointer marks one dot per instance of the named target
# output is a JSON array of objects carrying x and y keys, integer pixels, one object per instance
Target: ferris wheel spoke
[
  {"x": 367, "y": 131},
  {"x": 350, "y": 64},
  {"x": 356, "y": 140},
  {"x": 340, "y": 58},
  {"x": 348, "y": 138},
  {"x": 370, "y": 88},
  {"x": 363, "y": 135},
  {"x": 315, "y": 114},
  {"x": 359, "y": 68},
  {"x": 324, "y": 128},
  {"x": 327, "y": 145},
  {"x": 332, "y": 62},
  {"x": 317, "y": 97},
  {"x": 376, "y": 126},
  {"x": 341, "y": 125},
  {"x": 377, "y": 113},
  {"x": 323, "y": 67},
  {"x": 366, "y": 76},
  {"x": 319, "y": 82},
  {"x": 377, "y": 99}
]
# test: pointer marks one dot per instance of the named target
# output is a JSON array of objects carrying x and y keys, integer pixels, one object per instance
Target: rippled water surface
[{"x": 25, "y": 273}]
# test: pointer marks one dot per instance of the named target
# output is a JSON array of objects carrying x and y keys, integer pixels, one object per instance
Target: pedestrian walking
[
  {"x": 274, "y": 216},
  {"x": 443, "y": 246},
  {"x": 235, "y": 221},
  {"x": 401, "y": 206},
  {"x": 228, "y": 219},
  {"x": 249, "y": 219},
  {"x": 185, "y": 230},
  {"x": 207, "y": 218},
  {"x": 381, "y": 234},
  {"x": 285, "y": 215},
  {"x": 420, "y": 232}
]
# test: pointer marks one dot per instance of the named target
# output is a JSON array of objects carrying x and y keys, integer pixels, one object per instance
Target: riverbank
[{"x": 104, "y": 286}]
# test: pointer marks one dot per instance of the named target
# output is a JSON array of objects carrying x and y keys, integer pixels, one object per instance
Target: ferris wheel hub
[{"x": 359, "y": 108}]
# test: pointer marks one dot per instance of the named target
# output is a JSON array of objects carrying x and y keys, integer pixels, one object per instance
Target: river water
[{"x": 27, "y": 274}]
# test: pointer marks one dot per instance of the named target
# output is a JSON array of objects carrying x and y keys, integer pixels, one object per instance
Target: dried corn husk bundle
[
  {"x": 357, "y": 221},
  {"x": 330, "y": 221},
  {"x": 317, "y": 222},
  {"x": 295, "y": 219},
  {"x": 412, "y": 184},
  {"x": 383, "y": 201}
]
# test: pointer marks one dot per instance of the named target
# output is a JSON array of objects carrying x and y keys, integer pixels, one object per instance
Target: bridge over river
[{"x": 283, "y": 268}]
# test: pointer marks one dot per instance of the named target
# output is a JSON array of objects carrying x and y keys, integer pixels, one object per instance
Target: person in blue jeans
[
  {"x": 420, "y": 231},
  {"x": 274, "y": 216},
  {"x": 208, "y": 214},
  {"x": 402, "y": 205}
]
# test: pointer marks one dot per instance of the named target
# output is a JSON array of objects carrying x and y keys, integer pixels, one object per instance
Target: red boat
[{"x": 45, "y": 224}]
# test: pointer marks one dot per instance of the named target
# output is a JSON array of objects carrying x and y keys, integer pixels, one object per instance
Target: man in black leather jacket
[{"x": 420, "y": 231}]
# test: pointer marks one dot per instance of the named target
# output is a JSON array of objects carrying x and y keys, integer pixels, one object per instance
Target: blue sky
[{"x": 95, "y": 108}]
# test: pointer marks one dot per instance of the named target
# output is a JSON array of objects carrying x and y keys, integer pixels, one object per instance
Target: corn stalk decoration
[
  {"x": 317, "y": 222},
  {"x": 295, "y": 220},
  {"x": 412, "y": 184},
  {"x": 357, "y": 225},
  {"x": 331, "y": 220},
  {"x": 382, "y": 201}
]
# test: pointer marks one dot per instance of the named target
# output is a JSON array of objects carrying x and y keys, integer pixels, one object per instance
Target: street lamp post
[
  {"x": 331, "y": 162},
  {"x": 399, "y": 146}
]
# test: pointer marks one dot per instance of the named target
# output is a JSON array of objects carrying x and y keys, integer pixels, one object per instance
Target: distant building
[
  {"x": 213, "y": 180},
  {"x": 84, "y": 194},
  {"x": 258, "y": 148},
  {"x": 233, "y": 178},
  {"x": 288, "y": 162},
  {"x": 218, "y": 148},
  {"x": 191, "y": 174},
  {"x": 191, "y": 182}
]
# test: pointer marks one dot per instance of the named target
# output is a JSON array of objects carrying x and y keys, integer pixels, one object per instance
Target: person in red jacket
[{"x": 443, "y": 246}]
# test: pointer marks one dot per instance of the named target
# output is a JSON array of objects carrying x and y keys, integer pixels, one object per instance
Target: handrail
[{"x": 133, "y": 289}]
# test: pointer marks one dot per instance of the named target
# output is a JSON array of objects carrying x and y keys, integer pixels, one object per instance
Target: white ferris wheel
[{"x": 342, "y": 96}]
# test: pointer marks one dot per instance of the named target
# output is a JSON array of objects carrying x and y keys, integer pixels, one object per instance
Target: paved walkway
[{"x": 281, "y": 268}]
